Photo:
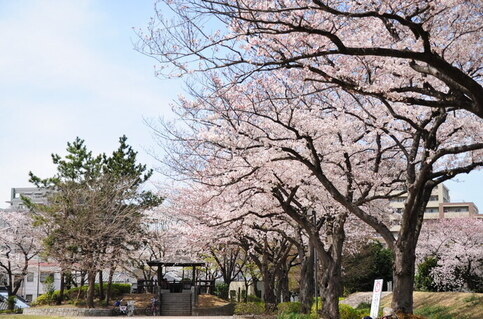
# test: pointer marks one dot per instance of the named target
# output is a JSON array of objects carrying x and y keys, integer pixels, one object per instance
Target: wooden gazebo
[
  {"x": 176, "y": 298},
  {"x": 179, "y": 262}
]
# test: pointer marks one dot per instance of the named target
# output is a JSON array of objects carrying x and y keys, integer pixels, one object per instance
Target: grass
[
  {"x": 445, "y": 305},
  {"x": 435, "y": 312}
]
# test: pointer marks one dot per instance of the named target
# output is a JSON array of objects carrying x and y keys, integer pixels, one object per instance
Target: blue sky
[{"x": 68, "y": 68}]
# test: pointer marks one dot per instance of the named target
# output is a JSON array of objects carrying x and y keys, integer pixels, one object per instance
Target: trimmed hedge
[
  {"x": 250, "y": 308},
  {"x": 117, "y": 290},
  {"x": 295, "y": 316}
]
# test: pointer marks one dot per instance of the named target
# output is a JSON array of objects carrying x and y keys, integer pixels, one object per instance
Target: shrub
[
  {"x": 289, "y": 307},
  {"x": 295, "y": 316},
  {"x": 232, "y": 295},
  {"x": 250, "y": 308},
  {"x": 364, "y": 305},
  {"x": 376, "y": 262},
  {"x": 347, "y": 312},
  {"x": 72, "y": 293},
  {"x": 221, "y": 290},
  {"x": 11, "y": 302},
  {"x": 363, "y": 309},
  {"x": 423, "y": 279},
  {"x": 253, "y": 298},
  {"x": 319, "y": 306},
  {"x": 117, "y": 290},
  {"x": 47, "y": 298}
]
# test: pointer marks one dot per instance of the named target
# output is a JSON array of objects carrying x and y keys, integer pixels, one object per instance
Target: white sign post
[{"x": 376, "y": 298}]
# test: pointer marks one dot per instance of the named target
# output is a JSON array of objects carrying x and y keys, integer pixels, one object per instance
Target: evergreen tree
[{"x": 95, "y": 207}]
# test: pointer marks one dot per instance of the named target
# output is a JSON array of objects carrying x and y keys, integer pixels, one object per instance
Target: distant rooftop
[{"x": 176, "y": 262}]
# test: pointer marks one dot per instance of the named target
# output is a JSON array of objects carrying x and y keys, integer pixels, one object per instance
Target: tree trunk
[
  {"x": 282, "y": 290},
  {"x": 109, "y": 285},
  {"x": 269, "y": 296},
  {"x": 247, "y": 286},
  {"x": 91, "y": 280},
  {"x": 11, "y": 306},
  {"x": 330, "y": 288},
  {"x": 68, "y": 280},
  {"x": 255, "y": 288},
  {"x": 330, "y": 261},
  {"x": 226, "y": 293},
  {"x": 60, "y": 298},
  {"x": 10, "y": 284},
  {"x": 307, "y": 287},
  {"x": 82, "y": 278},
  {"x": 405, "y": 251},
  {"x": 403, "y": 276},
  {"x": 101, "y": 286}
]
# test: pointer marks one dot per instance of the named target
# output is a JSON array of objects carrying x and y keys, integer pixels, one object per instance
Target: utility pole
[
  {"x": 315, "y": 269},
  {"x": 38, "y": 276}
]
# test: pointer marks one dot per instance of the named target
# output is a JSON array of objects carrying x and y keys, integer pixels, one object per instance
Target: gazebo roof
[{"x": 176, "y": 262}]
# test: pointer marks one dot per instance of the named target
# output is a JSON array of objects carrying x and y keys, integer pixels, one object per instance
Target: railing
[{"x": 3, "y": 303}]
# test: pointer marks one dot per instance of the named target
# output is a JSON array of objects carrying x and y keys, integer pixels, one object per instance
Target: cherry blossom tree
[
  {"x": 204, "y": 227},
  {"x": 390, "y": 149},
  {"x": 153, "y": 245},
  {"x": 407, "y": 65},
  {"x": 425, "y": 53},
  {"x": 265, "y": 196},
  {"x": 456, "y": 245},
  {"x": 229, "y": 260},
  {"x": 19, "y": 243}
]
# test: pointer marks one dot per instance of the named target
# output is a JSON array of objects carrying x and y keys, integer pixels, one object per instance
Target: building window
[
  {"x": 433, "y": 198},
  {"x": 457, "y": 209},
  {"x": 30, "y": 277},
  {"x": 45, "y": 275},
  {"x": 431, "y": 210},
  {"x": 29, "y": 298}
]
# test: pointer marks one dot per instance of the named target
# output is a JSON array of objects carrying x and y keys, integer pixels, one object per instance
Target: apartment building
[
  {"x": 34, "y": 283},
  {"x": 438, "y": 207},
  {"x": 36, "y": 195}
]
